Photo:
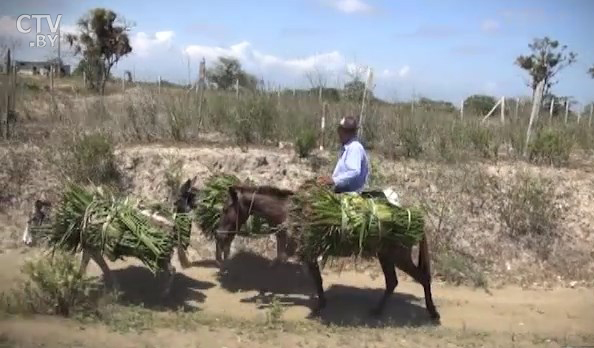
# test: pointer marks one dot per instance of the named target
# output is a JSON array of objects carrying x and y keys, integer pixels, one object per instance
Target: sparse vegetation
[
  {"x": 305, "y": 143},
  {"x": 15, "y": 171},
  {"x": 52, "y": 285},
  {"x": 275, "y": 312},
  {"x": 90, "y": 157},
  {"x": 529, "y": 212},
  {"x": 550, "y": 147}
]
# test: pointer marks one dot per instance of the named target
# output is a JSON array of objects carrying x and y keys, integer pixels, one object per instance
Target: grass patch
[
  {"x": 458, "y": 269},
  {"x": 52, "y": 285},
  {"x": 90, "y": 157},
  {"x": 550, "y": 147},
  {"x": 529, "y": 212}
]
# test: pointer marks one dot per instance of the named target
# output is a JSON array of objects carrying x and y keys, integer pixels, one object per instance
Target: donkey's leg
[
  {"x": 170, "y": 275},
  {"x": 84, "y": 261},
  {"x": 387, "y": 262},
  {"x": 100, "y": 261},
  {"x": 406, "y": 264},
  {"x": 183, "y": 258},
  {"x": 281, "y": 248},
  {"x": 314, "y": 270}
]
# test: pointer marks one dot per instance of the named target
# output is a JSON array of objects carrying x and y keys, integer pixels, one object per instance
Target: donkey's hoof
[{"x": 435, "y": 317}]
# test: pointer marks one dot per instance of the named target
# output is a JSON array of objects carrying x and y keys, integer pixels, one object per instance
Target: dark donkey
[
  {"x": 271, "y": 204},
  {"x": 186, "y": 202}
]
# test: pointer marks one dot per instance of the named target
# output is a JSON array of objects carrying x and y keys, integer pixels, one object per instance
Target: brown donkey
[{"x": 271, "y": 204}]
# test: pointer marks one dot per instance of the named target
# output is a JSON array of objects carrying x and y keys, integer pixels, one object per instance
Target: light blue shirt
[{"x": 351, "y": 171}]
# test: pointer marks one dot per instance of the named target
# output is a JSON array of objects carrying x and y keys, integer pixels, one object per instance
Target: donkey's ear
[
  {"x": 233, "y": 193},
  {"x": 38, "y": 204},
  {"x": 194, "y": 180},
  {"x": 186, "y": 186}
]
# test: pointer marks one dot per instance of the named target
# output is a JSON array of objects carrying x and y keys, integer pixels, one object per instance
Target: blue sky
[{"x": 440, "y": 49}]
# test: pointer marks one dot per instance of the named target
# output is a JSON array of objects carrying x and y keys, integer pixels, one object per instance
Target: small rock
[{"x": 572, "y": 284}]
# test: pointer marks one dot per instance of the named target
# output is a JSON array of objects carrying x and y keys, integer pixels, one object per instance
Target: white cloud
[
  {"x": 256, "y": 60},
  {"x": 143, "y": 44},
  {"x": 401, "y": 73},
  {"x": 404, "y": 71},
  {"x": 350, "y": 6},
  {"x": 490, "y": 26}
]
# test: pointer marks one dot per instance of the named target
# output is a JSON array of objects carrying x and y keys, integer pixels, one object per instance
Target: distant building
[{"x": 40, "y": 68}]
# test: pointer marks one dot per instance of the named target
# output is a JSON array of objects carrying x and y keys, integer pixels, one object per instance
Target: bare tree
[
  {"x": 545, "y": 61},
  {"x": 591, "y": 71},
  {"x": 317, "y": 78}
]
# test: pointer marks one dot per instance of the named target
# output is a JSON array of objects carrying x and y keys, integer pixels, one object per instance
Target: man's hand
[{"x": 325, "y": 180}]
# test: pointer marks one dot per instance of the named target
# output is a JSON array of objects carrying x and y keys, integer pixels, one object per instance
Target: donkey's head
[
  {"x": 187, "y": 195},
  {"x": 233, "y": 216},
  {"x": 40, "y": 215}
]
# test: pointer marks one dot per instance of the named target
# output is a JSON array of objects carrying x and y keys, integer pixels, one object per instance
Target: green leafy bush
[
  {"x": 52, "y": 285},
  {"x": 550, "y": 147},
  {"x": 305, "y": 143},
  {"x": 91, "y": 158}
]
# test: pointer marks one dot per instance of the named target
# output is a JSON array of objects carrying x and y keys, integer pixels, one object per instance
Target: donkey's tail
[{"x": 424, "y": 257}]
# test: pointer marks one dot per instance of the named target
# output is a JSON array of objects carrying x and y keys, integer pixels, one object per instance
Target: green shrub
[
  {"x": 550, "y": 147},
  {"x": 529, "y": 212},
  {"x": 91, "y": 158},
  {"x": 482, "y": 139},
  {"x": 305, "y": 143},
  {"x": 53, "y": 285},
  {"x": 410, "y": 136},
  {"x": 456, "y": 268}
]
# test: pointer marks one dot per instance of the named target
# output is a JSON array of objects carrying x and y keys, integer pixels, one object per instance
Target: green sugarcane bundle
[
  {"x": 330, "y": 224},
  {"x": 211, "y": 201},
  {"x": 183, "y": 228},
  {"x": 97, "y": 220}
]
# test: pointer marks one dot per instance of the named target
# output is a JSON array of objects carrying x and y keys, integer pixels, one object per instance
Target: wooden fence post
[
  {"x": 502, "y": 110},
  {"x": 6, "y": 112},
  {"x": 368, "y": 83},
  {"x": 517, "y": 108},
  {"x": 159, "y": 84},
  {"x": 493, "y": 110},
  {"x": 534, "y": 113},
  {"x": 590, "y": 121},
  {"x": 323, "y": 125},
  {"x": 566, "y": 109},
  {"x": 462, "y": 109}
]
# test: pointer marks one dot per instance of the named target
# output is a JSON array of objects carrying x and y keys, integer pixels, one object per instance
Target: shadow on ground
[
  {"x": 247, "y": 271},
  {"x": 291, "y": 285},
  {"x": 138, "y": 286}
]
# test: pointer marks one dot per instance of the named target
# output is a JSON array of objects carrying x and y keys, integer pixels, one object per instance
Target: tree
[
  {"x": 479, "y": 104},
  {"x": 353, "y": 90},
  {"x": 545, "y": 62},
  {"x": 103, "y": 40},
  {"x": 591, "y": 71},
  {"x": 227, "y": 71}
]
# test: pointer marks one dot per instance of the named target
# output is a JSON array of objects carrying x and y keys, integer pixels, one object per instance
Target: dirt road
[{"x": 243, "y": 293}]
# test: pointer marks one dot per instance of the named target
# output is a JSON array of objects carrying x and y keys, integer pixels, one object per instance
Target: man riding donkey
[
  {"x": 350, "y": 173},
  {"x": 350, "y": 176},
  {"x": 352, "y": 168}
]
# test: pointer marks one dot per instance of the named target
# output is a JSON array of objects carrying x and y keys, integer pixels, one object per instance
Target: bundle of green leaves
[{"x": 331, "y": 224}]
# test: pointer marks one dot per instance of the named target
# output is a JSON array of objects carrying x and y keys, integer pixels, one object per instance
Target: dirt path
[{"x": 244, "y": 293}]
